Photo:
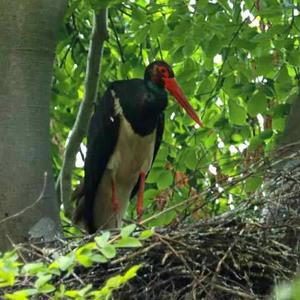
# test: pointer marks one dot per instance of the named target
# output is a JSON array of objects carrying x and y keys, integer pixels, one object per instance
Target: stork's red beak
[{"x": 172, "y": 86}]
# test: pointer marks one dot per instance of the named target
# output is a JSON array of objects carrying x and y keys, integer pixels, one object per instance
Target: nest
[
  {"x": 224, "y": 259},
  {"x": 228, "y": 257},
  {"x": 237, "y": 255}
]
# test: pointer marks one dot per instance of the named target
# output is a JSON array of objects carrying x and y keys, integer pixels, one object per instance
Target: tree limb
[
  {"x": 99, "y": 35},
  {"x": 40, "y": 197}
]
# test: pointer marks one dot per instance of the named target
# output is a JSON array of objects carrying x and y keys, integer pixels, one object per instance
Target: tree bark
[{"x": 28, "y": 206}]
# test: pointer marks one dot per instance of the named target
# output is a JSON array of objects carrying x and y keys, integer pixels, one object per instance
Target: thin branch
[
  {"x": 117, "y": 38},
  {"x": 159, "y": 48},
  {"x": 17, "y": 248},
  {"x": 99, "y": 36},
  {"x": 24, "y": 210},
  {"x": 220, "y": 79}
]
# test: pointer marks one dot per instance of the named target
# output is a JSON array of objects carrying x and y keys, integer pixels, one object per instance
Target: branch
[
  {"x": 99, "y": 36},
  {"x": 21, "y": 212},
  {"x": 159, "y": 48},
  {"x": 117, "y": 38},
  {"x": 220, "y": 79}
]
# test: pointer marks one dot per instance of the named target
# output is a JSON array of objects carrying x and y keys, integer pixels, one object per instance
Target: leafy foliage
[
  {"x": 287, "y": 291},
  {"x": 238, "y": 63},
  {"x": 42, "y": 277}
]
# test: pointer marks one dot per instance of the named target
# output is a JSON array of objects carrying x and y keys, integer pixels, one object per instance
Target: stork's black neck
[
  {"x": 142, "y": 102},
  {"x": 155, "y": 89}
]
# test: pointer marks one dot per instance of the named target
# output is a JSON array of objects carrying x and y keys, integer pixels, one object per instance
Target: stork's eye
[{"x": 164, "y": 72}]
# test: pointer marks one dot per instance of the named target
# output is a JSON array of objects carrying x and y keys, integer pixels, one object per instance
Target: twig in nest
[
  {"x": 17, "y": 249},
  {"x": 161, "y": 238}
]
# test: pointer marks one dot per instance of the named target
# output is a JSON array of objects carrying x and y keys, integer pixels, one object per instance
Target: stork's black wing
[
  {"x": 159, "y": 133},
  {"x": 102, "y": 139}
]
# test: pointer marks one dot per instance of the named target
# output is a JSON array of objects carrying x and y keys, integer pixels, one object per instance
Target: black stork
[{"x": 124, "y": 137}]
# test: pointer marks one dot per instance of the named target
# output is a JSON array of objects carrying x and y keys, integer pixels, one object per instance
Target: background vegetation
[{"x": 238, "y": 63}]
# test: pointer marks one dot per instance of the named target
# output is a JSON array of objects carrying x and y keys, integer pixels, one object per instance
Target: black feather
[
  {"x": 159, "y": 134},
  {"x": 102, "y": 139},
  {"x": 142, "y": 104}
]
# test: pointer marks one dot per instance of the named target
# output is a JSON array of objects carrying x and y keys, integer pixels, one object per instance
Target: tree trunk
[{"x": 28, "y": 31}]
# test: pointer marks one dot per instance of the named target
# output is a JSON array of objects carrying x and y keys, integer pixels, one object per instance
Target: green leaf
[
  {"x": 189, "y": 47},
  {"x": 278, "y": 124},
  {"x": 42, "y": 280},
  {"x": 127, "y": 230},
  {"x": 202, "y": 4},
  {"x": 283, "y": 291},
  {"x": 8, "y": 269},
  {"x": 236, "y": 137},
  {"x": 128, "y": 242},
  {"x": 255, "y": 142},
  {"x": 283, "y": 84},
  {"x": 237, "y": 113},
  {"x": 154, "y": 174},
  {"x": 264, "y": 65},
  {"x": 84, "y": 256},
  {"x": 246, "y": 132},
  {"x": 190, "y": 159},
  {"x": 245, "y": 43},
  {"x": 180, "y": 31},
  {"x": 293, "y": 58},
  {"x": 99, "y": 258},
  {"x": 165, "y": 179},
  {"x": 72, "y": 294},
  {"x": 46, "y": 288},
  {"x": 211, "y": 116},
  {"x": 109, "y": 251},
  {"x": 114, "y": 282},
  {"x": 7, "y": 278},
  {"x": 266, "y": 134},
  {"x": 34, "y": 268},
  {"x": 141, "y": 35},
  {"x": 296, "y": 289},
  {"x": 131, "y": 273},
  {"x": 157, "y": 27},
  {"x": 79, "y": 294},
  {"x": 281, "y": 110},
  {"x": 124, "y": 69},
  {"x": 21, "y": 295},
  {"x": 139, "y": 15},
  {"x": 257, "y": 104},
  {"x": 214, "y": 46},
  {"x": 150, "y": 194},
  {"x": 253, "y": 183},
  {"x": 102, "y": 240},
  {"x": 145, "y": 234},
  {"x": 65, "y": 262}
]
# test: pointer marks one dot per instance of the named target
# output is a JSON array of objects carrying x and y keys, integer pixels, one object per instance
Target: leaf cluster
[
  {"x": 238, "y": 64},
  {"x": 50, "y": 275}
]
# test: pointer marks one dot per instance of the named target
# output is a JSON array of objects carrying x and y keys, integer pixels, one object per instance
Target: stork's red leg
[
  {"x": 114, "y": 199},
  {"x": 139, "y": 207}
]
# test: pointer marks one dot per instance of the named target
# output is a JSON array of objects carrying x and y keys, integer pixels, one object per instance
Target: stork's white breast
[{"x": 133, "y": 154}]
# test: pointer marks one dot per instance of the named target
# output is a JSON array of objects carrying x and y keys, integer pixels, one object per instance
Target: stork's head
[{"x": 162, "y": 75}]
